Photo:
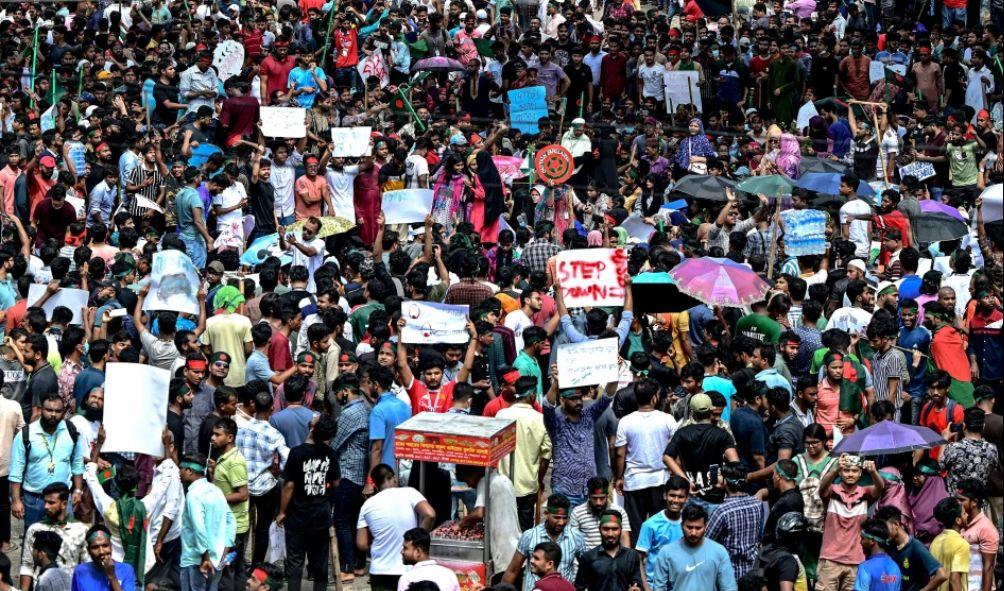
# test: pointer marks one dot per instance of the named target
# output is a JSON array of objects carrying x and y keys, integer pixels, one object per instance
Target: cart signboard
[{"x": 455, "y": 439}]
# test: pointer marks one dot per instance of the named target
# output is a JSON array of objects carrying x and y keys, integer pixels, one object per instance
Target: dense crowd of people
[{"x": 128, "y": 128}]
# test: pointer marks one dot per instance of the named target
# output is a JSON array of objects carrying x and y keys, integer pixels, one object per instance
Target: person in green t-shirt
[
  {"x": 229, "y": 472},
  {"x": 962, "y": 162},
  {"x": 759, "y": 325},
  {"x": 534, "y": 338}
]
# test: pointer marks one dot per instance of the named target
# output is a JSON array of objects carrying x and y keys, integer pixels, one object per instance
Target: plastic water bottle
[{"x": 228, "y": 559}]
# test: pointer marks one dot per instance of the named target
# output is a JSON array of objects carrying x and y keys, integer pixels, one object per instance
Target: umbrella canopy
[
  {"x": 829, "y": 183},
  {"x": 888, "y": 437},
  {"x": 770, "y": 185},
  {"x": 330, "y": 226},
  {"x": 702, "y": 186},
  {"x": 993, "y": 203},
  {"x": 821, "y": 165},
  {"x": 437, "y": 64},
  {"x": 716, "y": 281},
  {"x": 262, "y": 248},
  {"x": 937, "y": 227},
  {"x": 931, "y": 206},
  {"x": 657, "y": 292}
]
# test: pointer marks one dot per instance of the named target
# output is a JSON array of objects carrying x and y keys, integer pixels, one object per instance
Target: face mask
[{"x": 714, "y": 53}]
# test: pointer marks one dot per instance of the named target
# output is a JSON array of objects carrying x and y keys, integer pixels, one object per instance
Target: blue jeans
[
  {"x": 192, "y": 579},
  {"x": 709, "y": 507},
  {"x": 348, "y": 502},
  {"x": 196, "y": 249},
  {"x": 952, "y": 15},
  {"x": 574, "y": 500}
]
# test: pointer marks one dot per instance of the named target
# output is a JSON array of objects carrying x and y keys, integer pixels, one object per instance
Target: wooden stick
[
  {"x": 772, "y": 257},
  {"x": 905, "y": 350},
  {"x": 878, "y": 138},
  {"x": 335, "y": 558}
]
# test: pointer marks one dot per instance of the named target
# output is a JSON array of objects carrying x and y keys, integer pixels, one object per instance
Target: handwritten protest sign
[
  {"x": 510, "y": 167},
  {"x": 434, "y": 323},
  {"x": 135, "y": 408},
  {"x": 351, "y": 142},
  {"x": 375, "y": 66},
  {"x": 228, "y": 59},
  {"x": 592, "y": 277},
  {"x": 921, "y": 170},
  {"x": 682, "y": 89},
  {"x": 74, "y": 299},
  {"x": 876, "y": 71},
  {"x": 804, "y": 231},
  {"x": 406, "y": 206},
  {"x": 637, "y": 228},
  {"x": 284, "y": 122},
  {"x": 588, "y": 363},
  {"x": 805, "y": 112},
  {"x": 174, "y": 283},
  {"x": 526, "y": 107}
]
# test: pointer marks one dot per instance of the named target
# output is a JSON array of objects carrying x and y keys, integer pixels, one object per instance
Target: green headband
[
  {"x": 782, "y": 472},
  {"x": 552, "y": 510},
  {"x": 194, "y": 467},
  {"x": 97, "y": 534},
  {"x": 610, "y": 518},
  {"x": 875, "y": 539}
]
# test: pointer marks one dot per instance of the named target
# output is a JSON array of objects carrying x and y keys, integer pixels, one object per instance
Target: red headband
[{"x": 196, "y": 365}]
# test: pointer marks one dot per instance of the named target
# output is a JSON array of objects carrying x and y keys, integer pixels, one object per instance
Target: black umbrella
[
  {"x": 657, "y": 292},
  {"x": 702, "y": 186},
  {"x": 936, "y": 227},
  {"x": 821, "y": 165}
]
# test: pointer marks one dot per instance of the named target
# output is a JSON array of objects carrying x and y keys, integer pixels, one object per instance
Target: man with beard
[
  {"x": 179, "y": 400},
  {"x": 351, "y": 447},
  {"x": 55, "y": 519},
  {"x": 693, "y": 563},
  {"x": 555, "y": 530},
  {"x": 854, "y": 318},
  {"x": 609, "y": 566},
  {"x": 986, "y": 353},
  {"x": 202, "y": 398},
  {"x": 46, "y": 452},
  {"x": 88, "y": 421},
  {"x": 948, "y": 351}
]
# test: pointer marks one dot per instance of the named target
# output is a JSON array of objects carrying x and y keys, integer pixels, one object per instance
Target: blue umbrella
[
  {"x": 263, "y": 248},
  {"x": 828, "y": 183},
  {"x": 888, "y": 437}
]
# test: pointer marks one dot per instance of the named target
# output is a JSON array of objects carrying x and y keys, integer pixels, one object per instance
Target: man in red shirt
[
  {"x": 53, "y": 215},
  {"x": 346, "y": 43},
  {"x": 39, "y": 172},
  {"x": 940, "y": 412},
  {"x": 544, "y": 563},
  {"x": 853, "y": 72},
  {"x": 274, "y": 71},
  {"x": 613, "y": 70},
  {"x": 430, "y": 394}
]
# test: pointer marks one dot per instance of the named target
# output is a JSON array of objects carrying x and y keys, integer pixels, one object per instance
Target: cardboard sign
[
  {"x": 174, "y": 283},
  {"x": 74, "y": 299},
  {"x": 406, "y": 206},
  {"x": 228, "y": 58},
  {"x": 135, "y": 408},
  {"x": 554, "y": 164},
  {"x": 429, "y": 322},
  {"x": 876, "y": 71},
  {"x": 284, "y": 122},
  {"x": 921, "y": 170},
  {"x": 374, "y": 65},
  {"x": 588, "y": 363},
  {"x": 592, "y": 277},
  {"x": 682, "y": 89},
  {"x": 351, "y": 142},
  {"x": 526, "y": 107}
]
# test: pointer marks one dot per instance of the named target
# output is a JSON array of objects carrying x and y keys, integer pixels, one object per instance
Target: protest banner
[
  {"x": 283, "y": 122},
  {"x": 592, "y": 277},
  {"x": 993, "y": 204},
  {"x": 135, "y": 408},
  {"x": 921, "y": 170},
  {"x": 554, "y": 164},
  {"x": 74, "y": 299},
  {"x": 351, "y": 142},
  {"x": 526, "y": 107},
  {"x": 228, "y": 59},
  {"x": 174, "y": 283},
  {"x": 406, "y": 206},
  {"x": 510, "y": 167},
  {"x": 374, "y": 65},
  {"x": 682, "y": 89},
  {"x": 876, "y": 71},
  {"x": 428, "y": 322},
  {"x": 588, "y": 363},
  {"x": 804, "y": 231}
]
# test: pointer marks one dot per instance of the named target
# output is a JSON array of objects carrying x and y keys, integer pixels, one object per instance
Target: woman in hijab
[
  {"x": 819, "y": 136},
  {"x": 927, "y": 490},
  {"x": 448, "y": 193},
  {"x": 895, "y": 495},
  {"x": 789, "y": 156},
  {"x": 693, "y": 151},
  {"x": 487, "y": 211}
]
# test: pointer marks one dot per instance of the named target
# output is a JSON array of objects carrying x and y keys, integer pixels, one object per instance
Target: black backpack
[{"x": 70, "y": 428}]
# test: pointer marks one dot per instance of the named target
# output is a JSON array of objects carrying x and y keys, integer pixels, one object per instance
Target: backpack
[
  {"x": 815, "y": 509},
  {"x": 70, "y": 428},
  {"x": 950, "y": 406}
]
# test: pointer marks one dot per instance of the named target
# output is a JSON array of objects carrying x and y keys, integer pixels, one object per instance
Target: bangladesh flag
[
  {"x": 894, "y": 77},
  {"x": 484, "y": 47},
  {"x": 419, "y": 49}
]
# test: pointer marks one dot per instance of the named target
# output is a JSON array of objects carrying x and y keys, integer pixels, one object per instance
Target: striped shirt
[
  {"x": 891, "y": 364},
  {"x": 260, "y": 443},
  {"x": 136, "y": 177},
  {"x": 572, "y": 546},
  {"x": 588, "y": 523}
]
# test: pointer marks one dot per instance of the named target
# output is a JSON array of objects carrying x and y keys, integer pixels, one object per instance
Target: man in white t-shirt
[
  {"x": 229, "y": 199},
  {"x": 520, "y": 320},
  {"x": 854, "y": 319},
  {"x": 307, "y": 249},
  {"x": 282, "y": 179},
  {"x": 340, "y": 179},
  {"x": 416, "y": 167},
  {"x": 383, "y": 520},
  {"x": 415, "y": 553},
  {"x": 855, "y": 216},
  {"x": 638, "y": 467},
  {"x": 651, "y": 77}
]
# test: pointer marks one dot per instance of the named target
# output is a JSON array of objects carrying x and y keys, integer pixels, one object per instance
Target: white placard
[
  {"x": 637, "y": 228},
  {"x": 228, "y": 59},
  {"x": 351, "y": 142},
  {"x": 921, "y": 170},
  {"x": 588, "y": 363},
  {"x": 135, "y": 408},
  {"x": 682, "y": 89},
  {"x": 429, "y": 322},
  {"x": 284, "y": 122},
  {"x": 406, "y": 206},
  {"x": 174, "y": 283},
  {"x": 805, "y": 112},
  {"x": 79, "y": 206},
  {"x": 592, "y": 277},
  {"x": 74, "y": 299},
  {"x": 876, "y": 71}
]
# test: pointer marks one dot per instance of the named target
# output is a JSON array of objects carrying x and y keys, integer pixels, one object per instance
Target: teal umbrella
[
  {"x": 657, "y": 292},
  {"x": 770, "y": 185}
]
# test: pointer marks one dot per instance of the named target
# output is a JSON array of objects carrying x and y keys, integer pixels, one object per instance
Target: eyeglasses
[{"x": 221, "y": 364}]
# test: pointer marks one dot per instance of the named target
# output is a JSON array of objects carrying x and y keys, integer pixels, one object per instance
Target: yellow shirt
[
  {"x": 532, "y": 446},
  {"x": 229, "y": 332},
  {"x": 952, "y": 551}
]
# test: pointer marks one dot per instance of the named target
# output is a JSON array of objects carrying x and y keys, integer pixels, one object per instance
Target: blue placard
[{"x": 526, "y": 107}]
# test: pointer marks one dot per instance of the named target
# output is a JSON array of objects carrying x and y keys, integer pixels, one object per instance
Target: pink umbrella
[
  {"x": 721, "y": 282},
  {"x": 932, "y": 206}
]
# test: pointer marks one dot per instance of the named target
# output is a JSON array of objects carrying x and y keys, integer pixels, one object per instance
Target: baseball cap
[
  {"x": 216, "y": 267},
  {"x": 700, "y": 403},
  {"x": 47, "y": 161}
]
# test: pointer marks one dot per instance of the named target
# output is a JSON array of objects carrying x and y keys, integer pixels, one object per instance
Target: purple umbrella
[
  {"x": 888, "y": 437},
  {"x": 931, "y": 206},
  {"x": 721, "y": 282},
  {"x": 437, "y": 64}
]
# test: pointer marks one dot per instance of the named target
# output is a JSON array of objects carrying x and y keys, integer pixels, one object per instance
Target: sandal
[{"x": 348, "y": 577}]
